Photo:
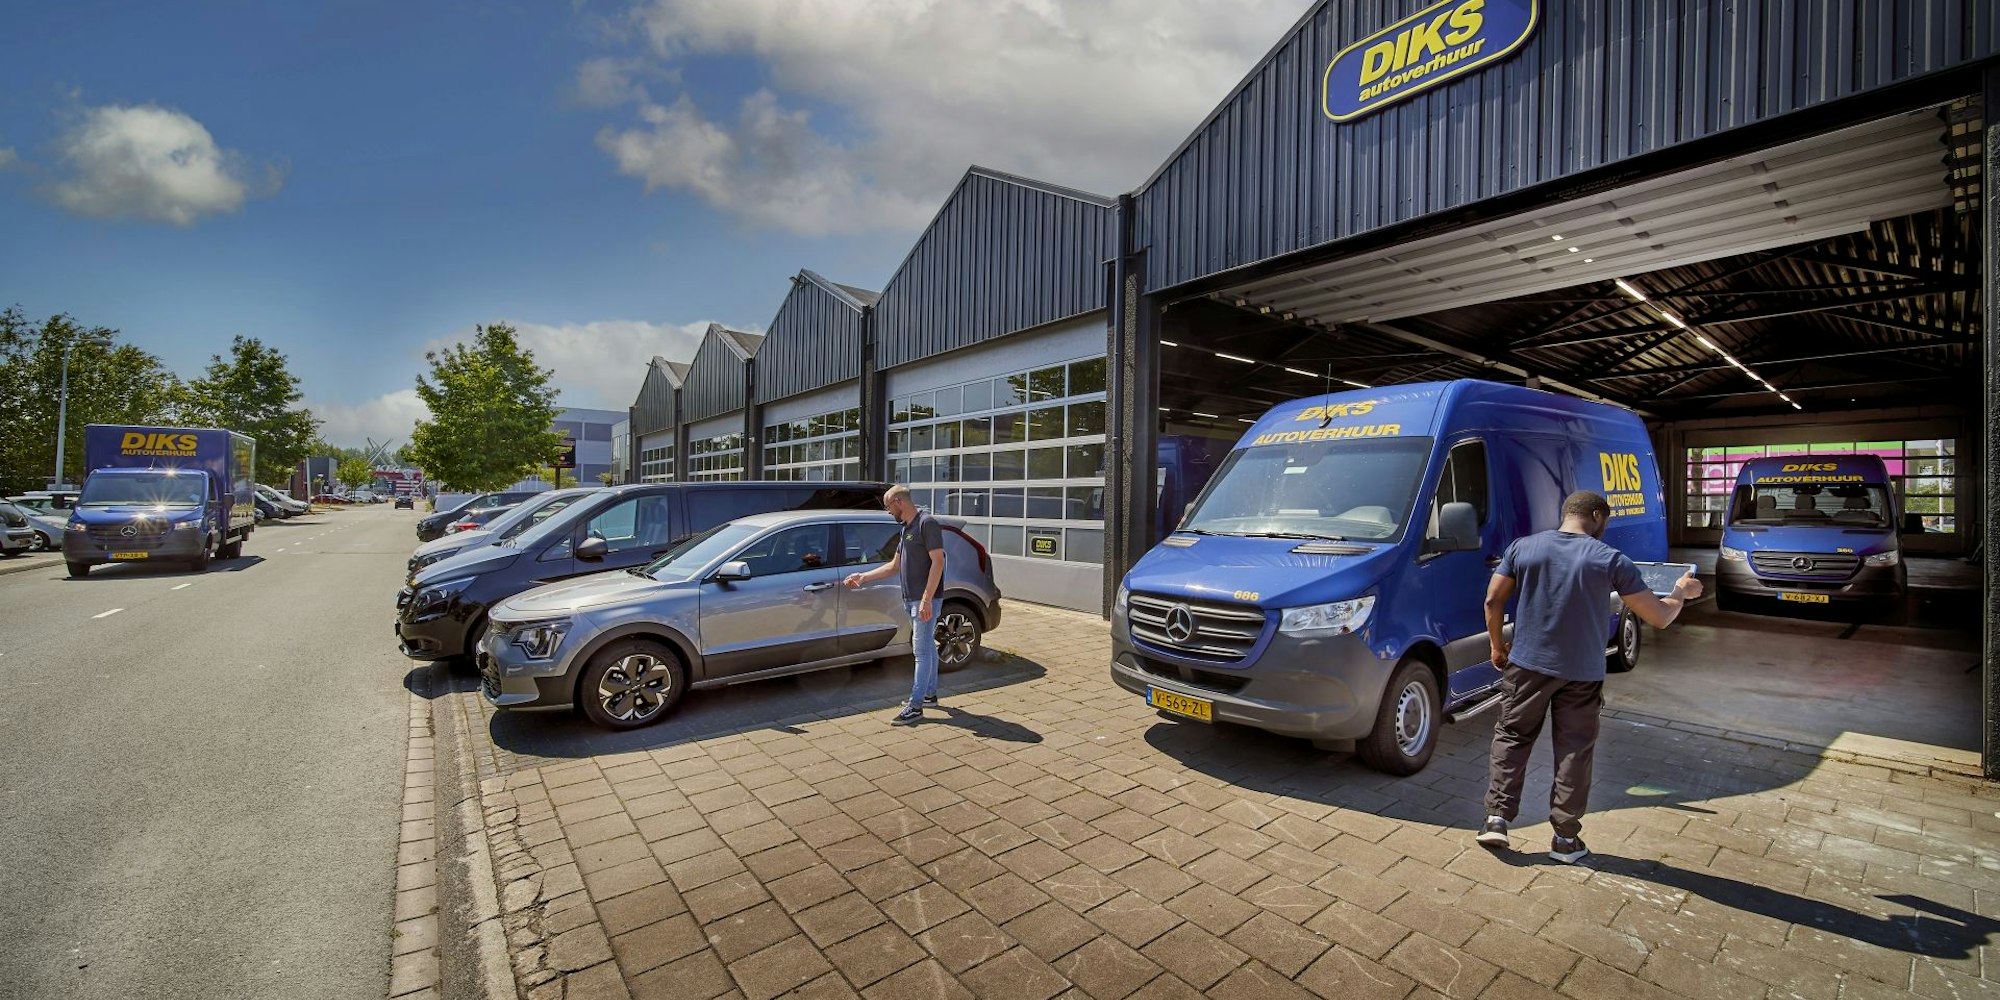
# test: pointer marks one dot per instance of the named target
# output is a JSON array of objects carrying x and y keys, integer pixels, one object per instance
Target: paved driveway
[{"x": 1048, "y": 835}]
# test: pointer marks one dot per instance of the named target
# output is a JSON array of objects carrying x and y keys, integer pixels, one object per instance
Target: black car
[
  {"x": 433, "y": 525},
  {"x": 404, "y": 501},
  {"x": 442, "y": 612}
]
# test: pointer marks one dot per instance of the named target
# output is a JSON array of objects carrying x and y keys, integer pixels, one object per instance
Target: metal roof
[{"x": 815, "y": 339}]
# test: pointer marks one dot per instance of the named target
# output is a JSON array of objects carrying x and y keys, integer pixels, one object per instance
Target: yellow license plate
[
  {"x": 1802, "y": 598},
  {"x": 130, "y": 555},
  {"x": 1180, "y": 704}
]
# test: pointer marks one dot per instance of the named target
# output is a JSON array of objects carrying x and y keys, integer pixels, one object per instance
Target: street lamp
[{"x": 62, "y": 416}]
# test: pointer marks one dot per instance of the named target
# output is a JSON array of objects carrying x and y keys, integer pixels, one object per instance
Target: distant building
[{"x": 594, "y": 431}]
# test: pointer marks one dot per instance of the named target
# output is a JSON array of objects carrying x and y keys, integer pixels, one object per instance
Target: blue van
[
  {"x": 1330, "y": 582},
  {"x": 1813, "y": 535}
]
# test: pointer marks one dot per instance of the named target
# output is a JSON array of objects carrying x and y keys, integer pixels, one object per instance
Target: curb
[
  {"x": 28, "y": 564},
  {"x": 414, "y": 956},
  {"x": 477, "y": 941}
]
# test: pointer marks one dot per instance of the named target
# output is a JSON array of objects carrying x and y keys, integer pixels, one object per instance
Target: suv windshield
[
  {"x": 1849, "y": 505},
  {"x": 1317, "y": 489},
  {"x": 683, "y": 561},
  {"x": 150, "y": 489}
]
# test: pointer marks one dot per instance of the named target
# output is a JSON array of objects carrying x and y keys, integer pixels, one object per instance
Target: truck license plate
[
  {"x": 1797, "y": 598},
  {"x": 1180, "y": 704},
  {"x": 130, "y": 555}
]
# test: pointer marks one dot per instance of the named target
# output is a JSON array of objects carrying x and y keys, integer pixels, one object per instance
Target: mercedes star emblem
[
  {"x": 128, "y": 531},
  {"x": 1180, "y": 623},
  {"x": 1803, "y": 564}
]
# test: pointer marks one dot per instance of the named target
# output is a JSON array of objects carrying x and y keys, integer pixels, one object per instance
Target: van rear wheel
[{"x": 1406, "y": 723}]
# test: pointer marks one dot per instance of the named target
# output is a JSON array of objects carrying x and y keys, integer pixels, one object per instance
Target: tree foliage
[
  {"x": 109, "y": 383},
  {"x": 491, "y": 409},
  {"x": 254, "y": 391},
  {"x": 354, "y": 471}
]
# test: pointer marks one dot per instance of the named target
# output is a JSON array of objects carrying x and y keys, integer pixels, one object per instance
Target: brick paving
[{"x": 1049, "y": 836}]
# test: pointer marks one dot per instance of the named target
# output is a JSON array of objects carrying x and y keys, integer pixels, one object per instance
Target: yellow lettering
[
  {"x": 132, "y": 441},
  {"x": 1425, "y": 39},
  {"x": 1375, "y": 61},
  {"x": 1467, "y": 20},
  {"x": 1402, "y": 51}
]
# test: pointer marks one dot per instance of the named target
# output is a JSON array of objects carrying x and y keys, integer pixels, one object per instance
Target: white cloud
[
  {"x": 7, "y": 158},
  {"x": 387, "y": 417},
  {"x": 1090, "y": 93},
  {"x": 152, "y": 163}
]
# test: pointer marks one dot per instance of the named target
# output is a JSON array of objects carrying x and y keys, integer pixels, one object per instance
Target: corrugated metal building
[
  {"x": 655, "y": 424},
  {"x": 715, "y": 405},
  {"x": 808, "y": 383}
]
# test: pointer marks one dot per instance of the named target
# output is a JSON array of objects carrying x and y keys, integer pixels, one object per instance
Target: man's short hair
[
  {"x": 896, "y": 492},
  {"x": 1584, "y": 503}
]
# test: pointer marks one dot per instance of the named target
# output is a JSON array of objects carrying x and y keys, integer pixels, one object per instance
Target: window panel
[
  {"x": 978, "y": 396},
  {"x": 1010, "y": 428},
  {"x": 1045, "y": 463},
  {"x": 1086, "y": 376},
  {"x": 1010, "y": 463},
  {"x": 976, "y": 432},
  {"x": 1046, "y": 383},
  {"x": 1045, "y": 423},
  {"x": 1086, "y": 419}
]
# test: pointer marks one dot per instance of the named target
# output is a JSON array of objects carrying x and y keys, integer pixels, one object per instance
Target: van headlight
[
  {"x": 538, "y": 640},
  {"x": 1733, "y": 555},
  {"x": 1124, "y": 596},
  {"x": 1337, "y": 618},
  {"x": 1889, "y": 558}
]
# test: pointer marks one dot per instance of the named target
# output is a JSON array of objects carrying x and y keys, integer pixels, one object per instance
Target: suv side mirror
[
  {"x": 593, "y": 549},
  {"x": 1458, "y": 529},
  {"x": 730, "y": 571}
]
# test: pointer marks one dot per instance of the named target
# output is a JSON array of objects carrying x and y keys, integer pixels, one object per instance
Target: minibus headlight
[
  {"x": 1733, "y": 555},
  {"x": 1338, "y": 618},
  {"x": 1889, "y": 558}
]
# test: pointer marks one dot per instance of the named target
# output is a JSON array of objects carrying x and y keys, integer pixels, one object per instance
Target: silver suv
[{"x": 750, "y": 599}]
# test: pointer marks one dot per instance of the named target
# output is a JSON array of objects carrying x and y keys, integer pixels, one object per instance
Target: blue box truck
[
  {"x": 177, "y": 494},
  {"x": 1330, "y": 582},
  {"x": 1813, "y": 536}
]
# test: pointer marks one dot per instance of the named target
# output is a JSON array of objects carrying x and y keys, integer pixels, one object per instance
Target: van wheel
[
  {"x": 234, "y": 550},
  {"x": 78, "y": 571},
  {"x": 632, "y": 683},
  {"x": 1625, "y": 644},
  {"x": 1406, "y": 723},
  {"x": 200, "y": 561},
  {"x": 958, "y": 636}
]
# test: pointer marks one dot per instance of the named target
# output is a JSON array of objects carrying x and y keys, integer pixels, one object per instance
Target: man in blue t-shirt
[{"x": 1555, "y": 666}]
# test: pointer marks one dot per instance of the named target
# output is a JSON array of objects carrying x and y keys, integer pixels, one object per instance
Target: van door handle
[{"x": 814, "y": 588}]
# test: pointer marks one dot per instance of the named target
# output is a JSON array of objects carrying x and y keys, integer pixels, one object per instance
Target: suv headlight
[
  {"x": 1889, "y": 558},
  {"x": 538, "y": 640},
  {"x": 1733, "y": 555},
  {"x": 1337, "y": 618}
]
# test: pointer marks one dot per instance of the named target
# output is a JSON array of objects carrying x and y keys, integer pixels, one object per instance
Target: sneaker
[
  {"x": 930, "y": 699},
  {"x": 907, "y": 716},
  {"x": 1568, "y": 850},
  {"x": 1494, "y": 833}
]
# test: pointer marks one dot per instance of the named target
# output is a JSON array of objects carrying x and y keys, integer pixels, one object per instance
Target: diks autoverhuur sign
[{"x": 1437, "y": 44}]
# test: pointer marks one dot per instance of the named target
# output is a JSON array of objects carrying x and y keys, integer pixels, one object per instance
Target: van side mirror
[
  {"x": 593, "y": 549},
  {"x": 1458, "y": 529},
  {"x": 731, "y": 571}
]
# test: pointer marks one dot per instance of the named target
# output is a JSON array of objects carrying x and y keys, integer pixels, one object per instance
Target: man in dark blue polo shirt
[
  {"x": 919, "y": 559},
  {"x": 1554, "y": 668}
]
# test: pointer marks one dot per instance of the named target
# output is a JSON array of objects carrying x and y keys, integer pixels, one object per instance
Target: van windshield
[
  {"x": 1319, "y": 489},
  {"x": 155, "y": 489},
  {"x": 1849, "y": 505},
  {"x": 527, "y": 515}
]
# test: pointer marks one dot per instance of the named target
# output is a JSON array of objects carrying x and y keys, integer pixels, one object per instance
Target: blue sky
[{"x": 353, "y": 182}]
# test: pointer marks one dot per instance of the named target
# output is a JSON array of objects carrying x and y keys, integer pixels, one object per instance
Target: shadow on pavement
[{"x": 983, "y": 725}]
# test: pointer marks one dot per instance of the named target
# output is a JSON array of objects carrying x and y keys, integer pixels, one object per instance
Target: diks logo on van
[
  {"x": 1811, "y": 467},
  {"x": 1435, "y": 45},
  {"x": 157, "y": 444},
  {"x": 1624, "y": 487},
  {"x": 1328, "y": 412}
]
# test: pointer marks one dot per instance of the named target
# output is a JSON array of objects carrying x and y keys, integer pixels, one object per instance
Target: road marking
[
  {"x": 109, "y": 613},
  {"x": 180, "y": 586},
  {"x": 281, "y": 548}
]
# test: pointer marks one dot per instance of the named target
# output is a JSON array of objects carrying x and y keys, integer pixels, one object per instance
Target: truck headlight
[
  {"x": 538, "y": 640},
  {"x": 1889, "y": 558},
  {"x": 1733, "y": 555},
  {"x": 1337, "y": 618}
]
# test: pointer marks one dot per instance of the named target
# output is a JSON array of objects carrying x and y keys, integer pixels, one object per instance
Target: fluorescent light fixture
[
  {"x": 1796, "y": 406},
  {"x": 1232, "y": 357},
  {"x": 1168, "y": 343},
  {"x": 1245, "y": 420},
  {"x": 1210, "y": 416},
  {"x": 1710, "y": 344},
  {"x": 1590, "y": 260},
  {"x": 1575, "y": 249},
  {"x": 1301, "y": 371},
  {"x": 1671, "y": 318},
  {"x": 1626, "y": 287},
  {"x": 1357, "y": 385},
  {"x": 1558, "y": 236}
]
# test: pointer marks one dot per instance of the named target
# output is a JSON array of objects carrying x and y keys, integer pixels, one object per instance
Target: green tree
[
  {"x": 109, "y": 383},
  {"x": 254, "y": 391},
  {"x": 491, "y": 412},
  {"x": 354, "y": 472}
]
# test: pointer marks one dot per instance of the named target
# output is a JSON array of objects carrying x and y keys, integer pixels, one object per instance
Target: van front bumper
[
  {"x": 1315, "y": 688},
  {"x": 1876, "y": 588},
  {"x": 169, "y": 546}
]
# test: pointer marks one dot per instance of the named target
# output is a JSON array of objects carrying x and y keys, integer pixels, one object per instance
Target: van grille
[
  {"x": 1806, "y": 565},
  {"x": 143, "y": 533},
  {"x": 1218, "y": 631}
]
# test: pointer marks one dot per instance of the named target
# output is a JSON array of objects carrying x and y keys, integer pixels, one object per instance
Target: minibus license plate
[
  {"x": 1180, "y": 704},
  {"x": 1796, "y": 598},
  {"x": 130, "y": 555}
]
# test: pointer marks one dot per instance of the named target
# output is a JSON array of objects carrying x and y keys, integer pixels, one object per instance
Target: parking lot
[{"x": 1046, "y": 834}]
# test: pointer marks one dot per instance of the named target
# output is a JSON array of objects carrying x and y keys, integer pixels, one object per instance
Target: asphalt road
[{"x": 201, "y": 774}]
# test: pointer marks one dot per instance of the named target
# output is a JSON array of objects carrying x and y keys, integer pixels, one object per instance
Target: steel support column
[
  {"x": 874, "y": 405},
  {"x": 1989, "y": 471},
  {"x": 1133, "y": 347}
]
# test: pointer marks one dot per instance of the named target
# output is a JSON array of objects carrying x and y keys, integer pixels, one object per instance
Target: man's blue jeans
[{"x": 923, "y": 644}]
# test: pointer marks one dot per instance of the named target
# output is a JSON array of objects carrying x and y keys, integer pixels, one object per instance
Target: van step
[{"x": 1466, "y": 713}]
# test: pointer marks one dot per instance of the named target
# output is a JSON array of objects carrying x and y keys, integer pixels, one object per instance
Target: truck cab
[
  {"x": 1329, "y": 583},
  {"x": 1813, "y": 536}
]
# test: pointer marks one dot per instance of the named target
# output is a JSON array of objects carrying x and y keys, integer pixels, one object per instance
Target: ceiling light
[
  {"x": 1623, "y": 286},
  {"x": 1232, "y": 357},
  {"x": 1168, "y": 343},
  {"x": 1590, "y": 260},
  {"x": 1210, "y": 416},
  {"x": 1357, "y": 385},
  {"x": 1558, "y": 236},
  {"x": 1671, "y": 318},
  {"x": 1710, "y": 344},
  {"x": 1301, "y": 371},
  {"x": 1245, "y": 420},
  {"x": 1796, "y": 406},
  {"x": 1575, "y": 249}
]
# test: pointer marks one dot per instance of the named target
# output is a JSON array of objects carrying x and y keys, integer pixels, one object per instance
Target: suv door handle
[{"x": 814, "y": 588}]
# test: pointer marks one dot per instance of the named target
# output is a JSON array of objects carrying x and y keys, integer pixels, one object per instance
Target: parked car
[
  {"x": 360, "y": 496},
  {"x": 442, "y": 611},
  {"x": 56, "y": 503},
  {"x": 754, "y": 598},
  {"x": 332, "y": 499},
  {"x": 433, "y": 525},
  {"x": 519, "y": 518},
  {"x": 405, "y": 501},
  {"x": 474, "y": 520},
  {"x": 16, "y": 534},
  {"x": 285, "y": 504},
  {"x": 268, "y": 511}
]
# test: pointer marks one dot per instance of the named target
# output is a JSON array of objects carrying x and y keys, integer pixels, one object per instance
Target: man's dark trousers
[{"x": 1526, "y": 698}]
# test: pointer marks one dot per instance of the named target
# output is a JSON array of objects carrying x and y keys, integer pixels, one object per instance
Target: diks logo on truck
[
  {"x": 158, "y": 445},
  {"x": 1435, "y": 45}
]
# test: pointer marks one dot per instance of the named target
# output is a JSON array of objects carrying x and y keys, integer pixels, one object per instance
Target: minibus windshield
[
  {"x": 1849, "y": 505},
  {"x": 1361, "y": 490}
]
